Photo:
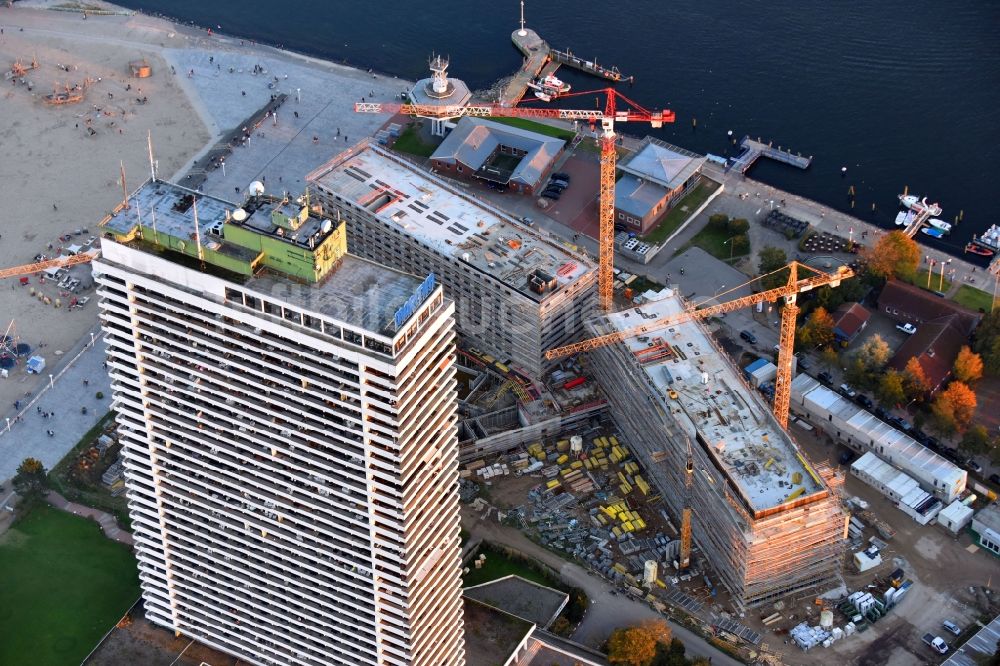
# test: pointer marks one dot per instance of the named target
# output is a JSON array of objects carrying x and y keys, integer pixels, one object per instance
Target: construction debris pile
[{"x": 593, "y": 503}]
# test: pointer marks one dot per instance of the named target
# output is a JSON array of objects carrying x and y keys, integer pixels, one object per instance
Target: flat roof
[
  {"x": 982, "y": 644},
  {"x": 520, "y": 597},
  {"x": 356, "y": 291},
  {"x": 990, "y": 517},
  {"x": 636, "y": 195},
  {"x": 497, "y": 634},
  {"x": 742, "y": 436},
  {"x": 662, "y": 163},
  {"x": 906, "y": 451},
  {"x": 446, "y": 219}
]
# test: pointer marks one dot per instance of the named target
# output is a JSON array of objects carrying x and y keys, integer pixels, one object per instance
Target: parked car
[
  {"x": 864, "y": 401},
  {"x": 559, "y": 175},
  {"x": 825, "y": 378},
  {"x": 528, "y": 221},
  {"x": 952, "y": 627},
  {"x": 557, "y": 181},
  {"x": 907, "y": 328},
  {"x": 932, "y": 443},
  {"x": 846, "y": 390},
  {"x": 881, "y": 414},
  {"x": 802, "y": 363},
  {"x": 974, "y": 466},
  {"x": 846, "y": 457},
  {"x": 748, "y": 336},
  {"x": 950, "y": 453},
  {"x": 995, "y": 478},
  {"x": 551, "y": 194}
]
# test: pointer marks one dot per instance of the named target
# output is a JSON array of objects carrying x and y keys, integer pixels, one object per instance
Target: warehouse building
[
  {"x": 898, "y": 486},
  {"x": 861, "y": 430},
  {"x": 517, "y": 291},
  {"x": 766, "y": 520}
]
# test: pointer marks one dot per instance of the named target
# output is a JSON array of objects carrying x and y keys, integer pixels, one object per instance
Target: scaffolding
[{"x": 761, "y": 550}]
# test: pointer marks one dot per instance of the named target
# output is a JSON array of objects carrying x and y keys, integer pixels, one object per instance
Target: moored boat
[
  {"x": 542, "y": 95},
  {"x": 940, "y": 224},
  {"x": 904, "y": 218},
  {"x": 552, "y": 83},
  {"x": 932, "y": 232},
  {"x": 979, "y": 249}
]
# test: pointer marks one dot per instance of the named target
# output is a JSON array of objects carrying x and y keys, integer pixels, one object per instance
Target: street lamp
[
  {"x": 8, "y": 424},
  {"x": 941, "y": 281},
  {"x": 731, "y": 245},
  {"x": 50, "y": 381}
]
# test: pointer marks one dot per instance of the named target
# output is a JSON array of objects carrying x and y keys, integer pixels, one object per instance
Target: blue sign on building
[{"x": 414, "y": 301}]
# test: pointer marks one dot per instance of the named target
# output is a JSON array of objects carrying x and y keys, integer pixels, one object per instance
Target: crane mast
[{"x": 684, "y": 561}]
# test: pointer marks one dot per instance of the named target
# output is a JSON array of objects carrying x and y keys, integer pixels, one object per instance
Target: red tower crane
[{"x": 607, "y": 118}]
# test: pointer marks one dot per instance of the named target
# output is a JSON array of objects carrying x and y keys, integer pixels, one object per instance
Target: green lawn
[
  {"x": 410, "y": 142},
  {"x": 64, "y": 585},
  {"x": 714, "y": 242},
  {"x": 534, "y": 126},
  {"x": 921, "y": 281},
  {"x": 682, "y": 211},
  {"x": 499, "y": 565},
  {"x": 973, "y": 298}
]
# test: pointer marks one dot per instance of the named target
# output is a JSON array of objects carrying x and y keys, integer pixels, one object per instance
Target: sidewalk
[{"x": 107, "y": 522}]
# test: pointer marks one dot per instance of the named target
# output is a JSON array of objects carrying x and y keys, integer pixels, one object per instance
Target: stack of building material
[{"x": 807, "y": 637}]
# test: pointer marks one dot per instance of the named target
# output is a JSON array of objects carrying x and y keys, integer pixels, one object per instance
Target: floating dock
[
  {"x": 753, "y": 149},
  {"x": 541, "y": 60}
]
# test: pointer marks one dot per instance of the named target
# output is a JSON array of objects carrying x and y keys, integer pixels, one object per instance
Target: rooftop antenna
[
  {"x": 522, "y": 32},
  {"x": 152, "y": 211},
  {"x": 138, "y": 215},
  {"x": 124, "y": 189},
  {"x": 152, "y": 164},
  {"x": 197, "y": 233}
]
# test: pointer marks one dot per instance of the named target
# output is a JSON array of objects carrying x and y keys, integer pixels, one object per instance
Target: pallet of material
[{"x": 475, "y": 464}]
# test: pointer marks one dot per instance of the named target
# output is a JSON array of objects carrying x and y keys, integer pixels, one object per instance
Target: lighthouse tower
[{"x": 441, "y": 92}]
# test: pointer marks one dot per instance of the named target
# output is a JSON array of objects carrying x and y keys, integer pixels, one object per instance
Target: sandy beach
[{"x": 62, "y": 163}]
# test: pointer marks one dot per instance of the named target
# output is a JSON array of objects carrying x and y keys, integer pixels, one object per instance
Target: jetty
[
  {"x": 754, "y": 149},
  {"x": 541, "y": 60}
]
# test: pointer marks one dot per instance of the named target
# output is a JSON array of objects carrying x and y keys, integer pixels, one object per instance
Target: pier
[
  {"x": 541, "y": 60},
  {"x": 754, "y": 149}
]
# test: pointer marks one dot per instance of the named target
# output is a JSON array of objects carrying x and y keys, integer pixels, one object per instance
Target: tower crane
[
  {"x": 789, "y": 292},
  {"x": 38, "y": 267},
  {"x": 607, "y": 119}
]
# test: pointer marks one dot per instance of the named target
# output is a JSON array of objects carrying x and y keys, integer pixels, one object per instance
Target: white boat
[
  {"x": 904, "y": 218},
  {"x": 940, "y": 224},
  {"x": 990, "y": 238},
  {"x": 552, "y": 83},
  {"x": 908, "y": 200},
  {"x": 542, "y": 95}
]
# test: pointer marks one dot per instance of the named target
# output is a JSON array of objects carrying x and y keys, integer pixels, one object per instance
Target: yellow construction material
[
  {"x": 554, "y": 483},
  {"x": 577, "y": 464},
  {"x": 613, "y": 440},
  {"x": 561, "y": 460},
  {"x": 625, "y": 488},
  {"x": 796, "y": 478},
  {"x": 767, "y": 465},
  {"x": 795, "y": 494},
  {"x": 562, "y": 445}
]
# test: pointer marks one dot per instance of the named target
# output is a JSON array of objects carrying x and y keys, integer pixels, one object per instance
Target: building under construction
[{"x": 767, "y": 521}]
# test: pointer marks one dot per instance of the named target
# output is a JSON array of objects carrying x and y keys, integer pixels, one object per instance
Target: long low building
[
  {"x": 765, "y": 519},
  {"x": 517, "y": 291},
  {"x": 863, "y": 431},
  {"x": 898, "y": 486}
]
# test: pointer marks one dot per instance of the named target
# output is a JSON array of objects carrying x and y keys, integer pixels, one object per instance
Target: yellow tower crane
[
  {"x": 786, "y": 346},
  {"x": 38, "y": 267},
  {"x": 684, "y": 561}
]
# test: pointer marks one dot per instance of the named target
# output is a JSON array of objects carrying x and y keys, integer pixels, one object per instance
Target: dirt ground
[
  {"x": 941, "y": 567},
  {"x": 144, "y": 643}
]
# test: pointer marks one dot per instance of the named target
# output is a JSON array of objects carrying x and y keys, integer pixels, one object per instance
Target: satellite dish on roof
[
  {"x": 256, "y": 188},
  {"x": 327, "y": 226},
  {"x": 239, "y": 215}
]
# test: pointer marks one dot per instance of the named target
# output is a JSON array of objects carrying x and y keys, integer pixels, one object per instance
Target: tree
[
  {"x": 915, "y": 381},
  {"x": 829, "y": 358},
  {"x": 987, "y": 343},
  {"x": 890, "y": 389},
  {"x": 631, "y": 646},
  {"x": 894, "y": 255},
  {"x": 719, "y": 221},
  {"x": 817, "y": 331},
  {"x": 968, "y": 366},
  {"x": 867, "y": 363},
  {"x": 738, "y": 226},
  {"x": 31, "y": 479},
  {"x": 771, "y": 259},
  {"x": 953, "y": 408},
  {"x": 638, "y": 646},
  {"x": 976, "y": 440}
]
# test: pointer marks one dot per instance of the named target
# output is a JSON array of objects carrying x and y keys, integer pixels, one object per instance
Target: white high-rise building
[{"x": 288, "y": 419}]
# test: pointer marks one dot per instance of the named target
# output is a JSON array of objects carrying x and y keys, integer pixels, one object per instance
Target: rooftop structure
[
  {"x": 898, "y": 486},
  {"x": 517, "y": 291},
  {"x": 986, "y": 524},
  {"x": 911, "y": 304},
  {"x": 440, "y": 91},
  {"x": 935, "y": 345},
  {"x": 475, "y": 142},
  {"x": 755, "y": 497},
  {"x": 861, "y": 430},
  {"x": 265, "y": 232},
  {"x": 982, "y": 645}
]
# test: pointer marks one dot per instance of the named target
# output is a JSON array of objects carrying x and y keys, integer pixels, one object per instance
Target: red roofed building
[
  {"x": 848, "y": 320},
  {"x": 943, "y": 327}
]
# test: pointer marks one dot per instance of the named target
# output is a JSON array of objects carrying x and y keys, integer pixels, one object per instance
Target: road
[{"x": 607, "y": 611}]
